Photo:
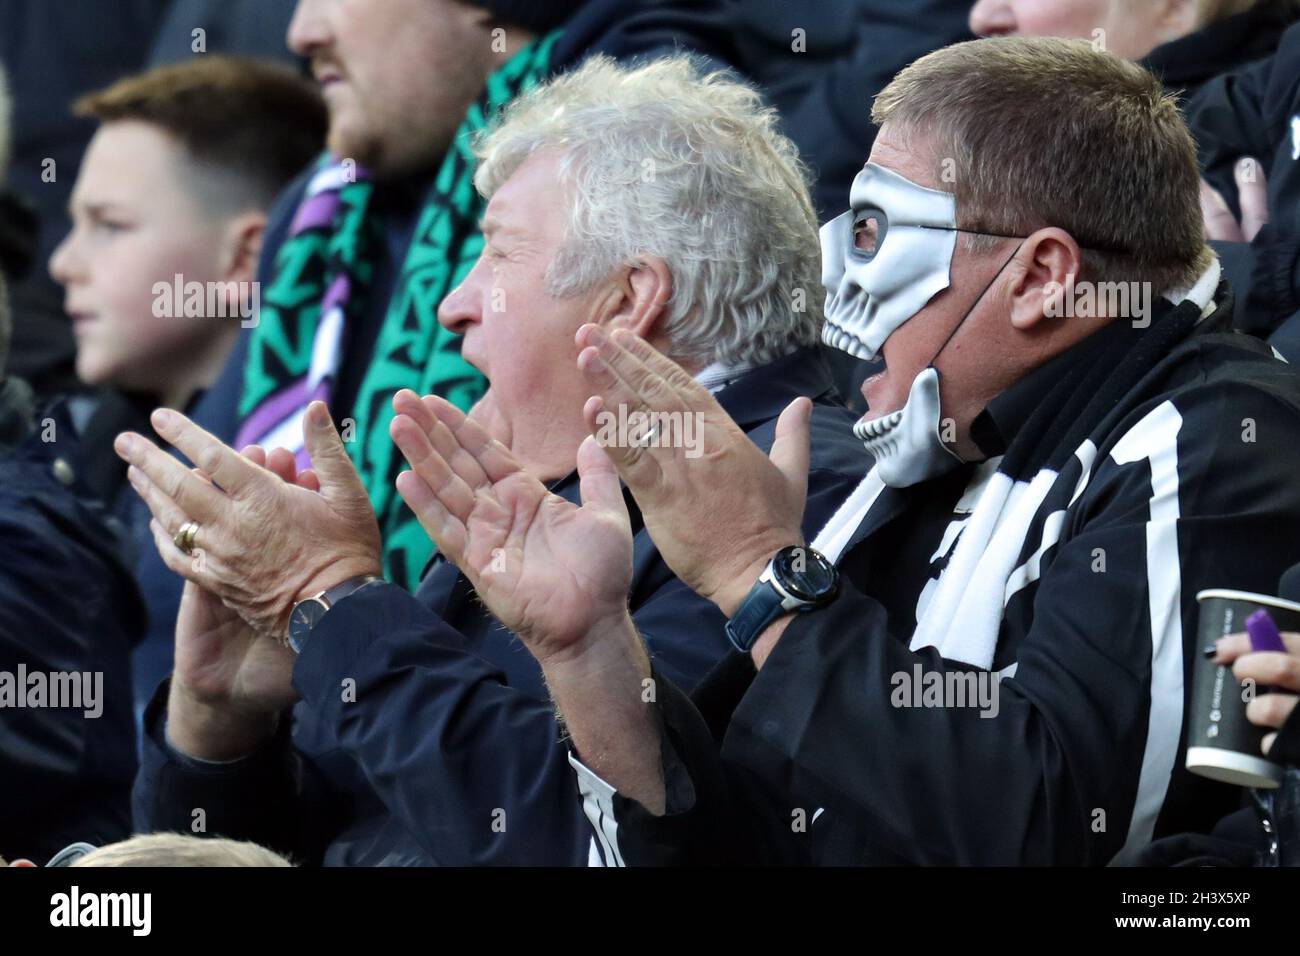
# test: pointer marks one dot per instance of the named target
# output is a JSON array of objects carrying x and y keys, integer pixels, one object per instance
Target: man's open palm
[{"x": 549, "y": 570}]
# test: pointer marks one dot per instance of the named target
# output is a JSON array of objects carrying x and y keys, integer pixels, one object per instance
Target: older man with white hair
[{"x": 658, "y": 201}]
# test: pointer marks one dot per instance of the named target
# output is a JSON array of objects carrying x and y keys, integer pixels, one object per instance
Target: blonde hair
[
  {"x": 672, "y": 161},
  {"x": 177, "y": 849},
  {"x": 1038, "y": 132}
]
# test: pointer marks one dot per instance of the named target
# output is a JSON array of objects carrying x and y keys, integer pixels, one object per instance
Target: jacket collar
[
  {"x": 761, "y": 393},
  {"x": 758, "y": 395},
  {"x": 1001, "y": 420}
]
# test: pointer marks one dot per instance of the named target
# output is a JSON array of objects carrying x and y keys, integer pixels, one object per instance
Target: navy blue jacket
[
  {"x": 68, "y": 604},
  {"x": 446, "y": 749},
  {"x": 252, "y": 28}
]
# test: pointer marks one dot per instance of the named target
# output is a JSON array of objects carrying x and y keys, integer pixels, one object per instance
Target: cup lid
[{"x": 1267, "y": 600}]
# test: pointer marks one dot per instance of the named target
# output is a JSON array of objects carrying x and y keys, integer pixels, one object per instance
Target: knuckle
[
  {"x": 172, "y": 484},
  {"x": 1290, "y": 673},
  {"x": 1265, "y": 710}
]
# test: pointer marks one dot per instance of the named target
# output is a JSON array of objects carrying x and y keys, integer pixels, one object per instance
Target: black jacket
[
  {"x": 1186, "y": 64},
  {"x": 449, "y": 751},
  {"x": 68, "y": 605},
  {"x": 1186, "y": 482},
  {"x": 852, "y": 49},
  {"x": 1256, "y": 112}
]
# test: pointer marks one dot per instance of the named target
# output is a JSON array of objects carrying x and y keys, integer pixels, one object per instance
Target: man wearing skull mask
[{"x": 983, "y": 657}]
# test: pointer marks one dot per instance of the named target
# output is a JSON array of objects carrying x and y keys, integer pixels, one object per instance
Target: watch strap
[
  {"x": 762, "y": 605},
  {"x": 297, "y": 638},
  {"x": 332, "y": 596}
]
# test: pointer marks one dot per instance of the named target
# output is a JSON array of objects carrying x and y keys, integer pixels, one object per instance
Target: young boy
[
  {"x": 168, "y": 214},
  {"x": 160, "y": 267}
]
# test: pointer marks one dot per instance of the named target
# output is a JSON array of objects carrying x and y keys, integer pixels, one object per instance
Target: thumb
[
  {"x": 338, "y": 476},
  {"x": 790, "y": 446},
  {"x": 599, "y": 483},
  {"x": 1252, "y": 196},
  {"x": 1219, "y": 222}
]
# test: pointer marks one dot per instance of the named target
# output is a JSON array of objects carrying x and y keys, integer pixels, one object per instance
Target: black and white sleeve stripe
[{"x": 598, "y": 804}]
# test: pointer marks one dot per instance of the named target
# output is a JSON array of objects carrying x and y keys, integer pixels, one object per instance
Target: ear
[
  {"x": 646, "y": 289},
  {"x": 241, "y": 248},
  {"x": 1049, "y": 262},
  {"x": 1176, "y": 18}
]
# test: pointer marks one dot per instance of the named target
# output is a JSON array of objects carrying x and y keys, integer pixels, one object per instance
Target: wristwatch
[
  {"x": 796, "y": 579},
  {"x": 307, "y": 613}
]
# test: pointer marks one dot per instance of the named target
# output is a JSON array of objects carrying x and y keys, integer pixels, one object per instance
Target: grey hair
[
  {"x": 668, "y": 161},
  {"x": 180, "y": 849}
]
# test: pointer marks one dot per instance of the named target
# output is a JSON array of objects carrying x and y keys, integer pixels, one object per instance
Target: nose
[
  {"x": 991, "y": 18},
  {"x": 463, "y": 306},
  {"x": 63, "y": 263},
  {"x": 308, "y": 30}
]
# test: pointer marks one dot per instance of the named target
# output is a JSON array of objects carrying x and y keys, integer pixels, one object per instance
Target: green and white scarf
[{"x": 321, "y": 282}]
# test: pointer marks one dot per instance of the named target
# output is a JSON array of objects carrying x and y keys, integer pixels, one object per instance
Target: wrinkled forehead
[{"x": 902, "y": 201}]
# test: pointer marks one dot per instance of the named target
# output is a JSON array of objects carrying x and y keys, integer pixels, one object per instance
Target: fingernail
[
  {"x": 163, "y": 419},
  {"x": 596, "y": 336},
  {"x": 125, "y": 445}
]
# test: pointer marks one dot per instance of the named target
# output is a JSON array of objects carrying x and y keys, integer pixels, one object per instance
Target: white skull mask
[{"x": 908, "y": 234}]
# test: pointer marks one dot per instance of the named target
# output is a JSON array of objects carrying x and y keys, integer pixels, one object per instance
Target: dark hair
[{"x": 258, "y": 121}]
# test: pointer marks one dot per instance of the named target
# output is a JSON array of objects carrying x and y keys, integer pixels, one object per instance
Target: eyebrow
[
  {"x": 490, "y": 226},
  {"x": 93, "y": 208}
]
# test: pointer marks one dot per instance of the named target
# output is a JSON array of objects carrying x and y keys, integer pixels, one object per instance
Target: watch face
[
  {"x": 805, "y": 573},
  {"x": 303, "y": 618}
]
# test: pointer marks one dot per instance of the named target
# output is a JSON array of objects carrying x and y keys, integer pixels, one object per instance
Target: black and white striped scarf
[{"x": 986, "y": 566}]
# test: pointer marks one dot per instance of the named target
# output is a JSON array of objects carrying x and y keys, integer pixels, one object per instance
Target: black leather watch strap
[
  {"x": 308, "y": 613},
  {"x": 760, "y": 608},
  {"x": 350, "y": 586}
]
